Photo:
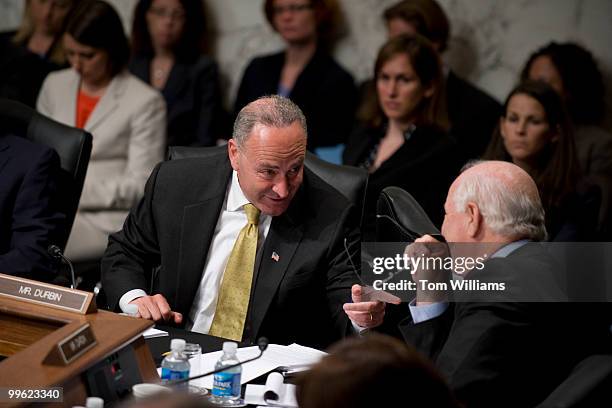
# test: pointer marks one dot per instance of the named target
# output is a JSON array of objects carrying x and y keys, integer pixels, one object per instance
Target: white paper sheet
[
  {"x": 275, "y": 356},
  {"x": 153, "y": 332}
]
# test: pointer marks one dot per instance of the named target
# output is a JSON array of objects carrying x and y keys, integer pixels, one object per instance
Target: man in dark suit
[
  {"x": 29, "y": 220},
  {"x": 509, "y": 348},
  {"x": 299, "y": 276},
  {"x": 472, "y": 113}
]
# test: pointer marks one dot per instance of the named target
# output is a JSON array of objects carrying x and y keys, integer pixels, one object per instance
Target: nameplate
[
  {"x": 72, "y": 347},
  {"x": 41, "y": 293}
]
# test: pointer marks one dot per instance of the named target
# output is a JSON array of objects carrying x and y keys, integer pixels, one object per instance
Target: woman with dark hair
[
  {"x": 535, "y": 134},
  {"x": 572, "y": 71},
  {"x": 168, "y": 42},
  {"x": 126, "y": 117},
  {"x": 304, "y": 72},
  {"x": 403, "y": 140},
  {"x": 373, "y": 371},
  {"x": 35, "y": 49}
]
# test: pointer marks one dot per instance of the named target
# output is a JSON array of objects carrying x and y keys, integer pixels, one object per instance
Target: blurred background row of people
[{"x": 412, "y": 125}]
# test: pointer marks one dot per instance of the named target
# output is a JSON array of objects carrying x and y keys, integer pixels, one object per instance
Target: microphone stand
[{"x": 55, "y": 252}]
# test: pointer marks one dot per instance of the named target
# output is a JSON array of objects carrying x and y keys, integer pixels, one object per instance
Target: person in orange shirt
[{"x": 126, "y": 117}]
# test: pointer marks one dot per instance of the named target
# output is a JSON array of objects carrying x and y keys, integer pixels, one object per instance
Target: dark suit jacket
[
  {"x": 473, "y": 115},
  {"x": 193, "y": 99},
  {"x": 425, "y": 166},
  {"x": 297, "y": 299},
  {"x": 507, "y": 354},
  {"x": 29, "y": 220},
  {"x": 324, "y": 91}
]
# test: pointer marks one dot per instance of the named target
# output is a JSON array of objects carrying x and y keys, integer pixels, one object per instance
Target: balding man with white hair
[{"x": 495, "y": 353}]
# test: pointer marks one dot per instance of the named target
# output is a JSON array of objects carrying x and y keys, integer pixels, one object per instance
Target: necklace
[{"x": 159, "y": 73}]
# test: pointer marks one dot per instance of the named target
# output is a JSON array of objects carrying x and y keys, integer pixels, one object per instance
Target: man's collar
[
  {"x": 509, "y": 248},
  {"x": 235, "y": 198}
]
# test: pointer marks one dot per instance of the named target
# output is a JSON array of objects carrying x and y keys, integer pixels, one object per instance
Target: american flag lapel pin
[{"x": 275, "y": 256}]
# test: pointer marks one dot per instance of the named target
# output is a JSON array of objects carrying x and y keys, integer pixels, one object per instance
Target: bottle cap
[
  {"x": 177, "y": 344},
  {"x": 230, "y": 347},
  {"x": 94, "y": 402}
]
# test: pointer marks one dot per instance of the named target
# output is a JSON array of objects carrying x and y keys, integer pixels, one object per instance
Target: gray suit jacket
[{"x": 128, "y": 127}]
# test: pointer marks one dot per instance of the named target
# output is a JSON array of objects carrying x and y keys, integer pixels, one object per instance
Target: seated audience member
[
  {"x": 373, "y": 371},
  {"x": 500, "y": 354},
  {"x": 125, "y": 116},
  {"x": 305, "y": 72},
  {"x": 29, "y": 220},
  {"x": 403, "y": 140},
  {"x": 572, "y": 72},
  {"x": 34, "y": 50},
  {"x": 168, "y": 39},
  {"x": 254, "y": 192},
  {"x": 535, "y": 134},
  {"x": 472, "y": 113}
]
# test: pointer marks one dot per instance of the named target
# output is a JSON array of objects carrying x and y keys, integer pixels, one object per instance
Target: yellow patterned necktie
[{"x": 235, "y": 291}]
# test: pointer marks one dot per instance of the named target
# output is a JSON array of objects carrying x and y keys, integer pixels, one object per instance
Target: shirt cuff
[
  {"x": 426, "y": 312},
  {"x": 358, "y": 329},
  {"x": 128, "y": 297}
]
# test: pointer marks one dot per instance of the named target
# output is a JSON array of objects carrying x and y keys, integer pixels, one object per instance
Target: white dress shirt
[{"x": 229, "y": 223}]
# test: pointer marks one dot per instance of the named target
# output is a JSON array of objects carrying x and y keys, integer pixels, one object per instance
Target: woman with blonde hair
[{"x": 35, "y": 49}]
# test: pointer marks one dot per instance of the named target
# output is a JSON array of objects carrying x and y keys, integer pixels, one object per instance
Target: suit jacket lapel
[
  {"x": 67, "y": 111},
  {"x": 140, "y": 66},
  {"x": 197, "y": 230},
  {"x": 108, "y": 103},
  {"x": 177, "y": 80},
  {"x": 283, "y": 238}
]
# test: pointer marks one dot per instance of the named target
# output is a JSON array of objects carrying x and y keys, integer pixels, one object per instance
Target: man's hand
[
  {"x": 428, "y": 248},
  {"x": 364, "y": 314},
  {"x": 156, "y": 308}
]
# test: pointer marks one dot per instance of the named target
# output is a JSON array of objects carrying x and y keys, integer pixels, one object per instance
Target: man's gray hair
[
  {"x": 273, "y": 110},
  {"x": 507, "y": 211}
]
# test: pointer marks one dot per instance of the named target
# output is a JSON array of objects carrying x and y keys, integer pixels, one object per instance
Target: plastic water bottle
[
  {"x": 175, "y": 366},
  {"x": 226, "y": 384}
]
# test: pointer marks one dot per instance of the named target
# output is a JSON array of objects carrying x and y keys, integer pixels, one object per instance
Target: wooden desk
[{"x": 30, "y": 332}]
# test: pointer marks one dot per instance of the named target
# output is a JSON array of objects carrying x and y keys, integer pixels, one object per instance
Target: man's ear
[
  {"x": 232, "y": 152},
  {"x": 475, "y": 221}
]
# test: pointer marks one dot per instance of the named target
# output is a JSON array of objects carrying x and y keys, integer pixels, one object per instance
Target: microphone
[
  {"x": 368, "y": 291},
  {"x": 348, "y": 254},
  {"x": 56, "y": 253},
  {"x": 262, "y": 343}
]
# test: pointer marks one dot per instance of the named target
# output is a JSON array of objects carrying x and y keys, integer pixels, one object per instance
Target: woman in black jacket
[
  {"x": 304, "y": 71},
  {"x": 403, "y": 140},
  {"x": 168, "y": 41},
  {"x": 535, "y": 134}
]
